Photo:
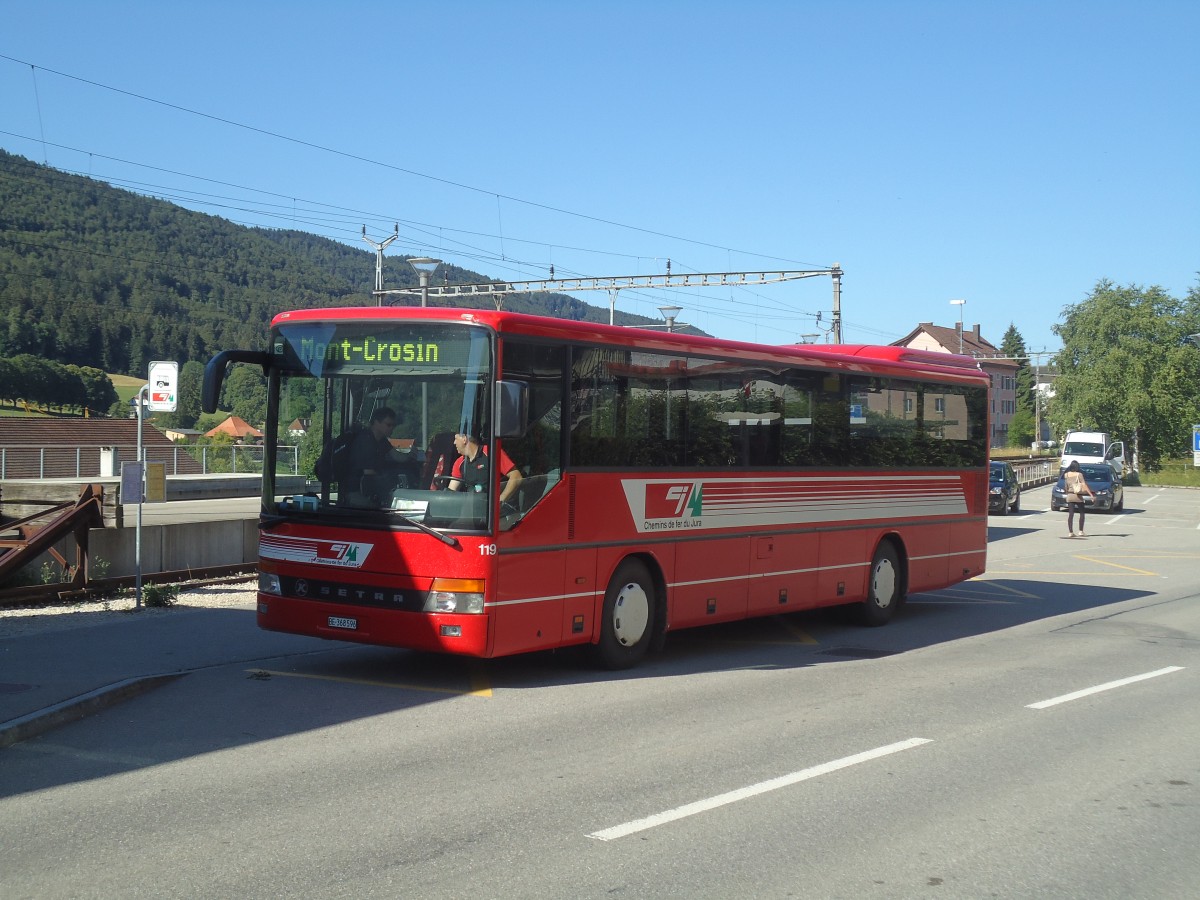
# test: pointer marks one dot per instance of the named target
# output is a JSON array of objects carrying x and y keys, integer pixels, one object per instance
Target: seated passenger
[{"x": 471, "y": 469}]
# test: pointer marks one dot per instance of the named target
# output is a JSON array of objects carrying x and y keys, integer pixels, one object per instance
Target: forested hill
[{"x": 92, "y": 275}]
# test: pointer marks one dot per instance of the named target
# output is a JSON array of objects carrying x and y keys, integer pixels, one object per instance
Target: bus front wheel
[
  {"x": 627, "y": 622},
  {"x": 885, "y": 589}
]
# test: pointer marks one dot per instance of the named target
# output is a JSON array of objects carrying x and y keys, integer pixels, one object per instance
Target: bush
[{"x": 160, "y": 595}]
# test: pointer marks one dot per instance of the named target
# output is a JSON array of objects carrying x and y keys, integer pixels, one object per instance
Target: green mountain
[{"x": 92, "y": 275}]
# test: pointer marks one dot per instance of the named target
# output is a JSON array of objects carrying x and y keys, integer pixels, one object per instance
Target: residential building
[{"x": 1003, "y": 372}]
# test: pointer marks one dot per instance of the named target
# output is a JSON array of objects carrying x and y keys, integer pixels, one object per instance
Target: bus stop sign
[{"x": 163, "y": 384}]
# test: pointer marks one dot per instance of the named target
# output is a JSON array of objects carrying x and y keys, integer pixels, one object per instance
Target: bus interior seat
[{"x": 441, "y": 449}]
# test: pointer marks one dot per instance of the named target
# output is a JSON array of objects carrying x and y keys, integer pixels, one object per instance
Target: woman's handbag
[{"x": 1071, "y": 492}]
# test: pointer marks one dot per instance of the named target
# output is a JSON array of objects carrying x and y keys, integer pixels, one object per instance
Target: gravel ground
[{"x": 59, "y": 617}]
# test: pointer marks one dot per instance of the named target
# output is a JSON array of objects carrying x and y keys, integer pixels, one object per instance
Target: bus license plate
[{"x": 341, "y": 622}]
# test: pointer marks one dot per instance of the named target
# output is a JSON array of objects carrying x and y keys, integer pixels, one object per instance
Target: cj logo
[
  {"x": 347, "y": 553},
  {"x": 671, "y": 501}
]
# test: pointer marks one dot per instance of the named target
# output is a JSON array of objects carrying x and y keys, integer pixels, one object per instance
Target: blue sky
[{"x": 1010, "y": 155}]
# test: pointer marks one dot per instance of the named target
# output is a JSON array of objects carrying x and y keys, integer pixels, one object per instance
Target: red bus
[{"x": 663, "y": 481}]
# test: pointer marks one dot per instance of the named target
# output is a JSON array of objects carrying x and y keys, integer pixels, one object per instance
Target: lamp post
[
  {"x": 425, "y": 267},
  {"x": 669, "y": 313},
  {"x": 959, "y": 304}
]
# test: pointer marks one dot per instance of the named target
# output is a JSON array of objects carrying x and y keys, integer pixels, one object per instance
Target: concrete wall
[{"x": 173, "y": 548}]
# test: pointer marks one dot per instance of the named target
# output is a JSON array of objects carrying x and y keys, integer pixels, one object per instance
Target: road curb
[{"x": 43, "y": 720}]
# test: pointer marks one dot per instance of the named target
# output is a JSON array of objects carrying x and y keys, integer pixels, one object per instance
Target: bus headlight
[
  {"x": 455, "y": 595},
  {"x": 268, "y": 583}
]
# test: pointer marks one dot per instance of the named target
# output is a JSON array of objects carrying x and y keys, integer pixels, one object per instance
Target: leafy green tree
[
  {"x": 245, "y": 394},
  {"x": 1021, "y": 429},
  {"x": 187, "y": 410},
  {"x": 98, "y": 388},
  {"x": 1128, "y": 368}
]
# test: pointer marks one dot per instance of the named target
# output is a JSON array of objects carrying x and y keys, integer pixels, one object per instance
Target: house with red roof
[{"x": 238, "y": 429}]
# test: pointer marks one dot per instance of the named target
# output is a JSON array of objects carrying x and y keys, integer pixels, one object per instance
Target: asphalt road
[{"x": 1031, "y": 733}]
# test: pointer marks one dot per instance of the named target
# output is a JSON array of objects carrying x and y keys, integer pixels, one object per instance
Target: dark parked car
[
  {"x": 1110, "y": 495},
  {"x": 1004, "y": 491}
]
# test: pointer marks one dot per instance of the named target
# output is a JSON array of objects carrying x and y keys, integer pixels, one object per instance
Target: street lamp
[
  {"x": 669, "y": 313},
  {"x": 425, "y": 267},
  {"x": 959, "y": 304}
]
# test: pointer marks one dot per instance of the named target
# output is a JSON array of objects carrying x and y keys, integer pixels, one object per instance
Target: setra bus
[{"x": 663, "y": 481}]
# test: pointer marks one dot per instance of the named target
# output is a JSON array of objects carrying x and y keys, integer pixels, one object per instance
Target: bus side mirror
[
  {"x": 512, "y": 408},
  {"x": 214, "y": 373}
]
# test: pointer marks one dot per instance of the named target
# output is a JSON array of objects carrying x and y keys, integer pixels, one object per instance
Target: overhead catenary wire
[{"x": 330, "y": 218}]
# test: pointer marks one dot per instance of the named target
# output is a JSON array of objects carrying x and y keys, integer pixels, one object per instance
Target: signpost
[
  {"x": 160, "y": 393},
  {"x": 163, "y": 386},
  {"x": 1196, "y": 445}
]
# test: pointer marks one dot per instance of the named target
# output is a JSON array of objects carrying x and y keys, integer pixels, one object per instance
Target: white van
[{"x": 1093, "y": 447}]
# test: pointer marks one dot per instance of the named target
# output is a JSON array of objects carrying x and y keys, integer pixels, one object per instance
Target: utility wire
[{"x": 347, "y": 155}]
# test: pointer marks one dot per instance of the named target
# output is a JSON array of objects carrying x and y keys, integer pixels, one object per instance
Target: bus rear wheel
[
  {"x": 627, "y": 622},
  {"x": 884, "y": 590}
]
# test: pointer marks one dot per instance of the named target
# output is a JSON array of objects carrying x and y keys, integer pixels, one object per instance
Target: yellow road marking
[
  {"x": 800, "y": 634},
  {"x": 479, "y": 686},
  {"x": 1002, "y": 587},
  {"x": 1038, "y": 572},
  {"x": 1105, "y": 562}
]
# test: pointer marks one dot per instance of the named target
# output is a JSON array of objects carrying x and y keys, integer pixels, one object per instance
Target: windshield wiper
[{"x": 446, "y": 539}]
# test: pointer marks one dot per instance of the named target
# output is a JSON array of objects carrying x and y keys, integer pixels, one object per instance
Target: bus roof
[{"x": 862, "y": 358}]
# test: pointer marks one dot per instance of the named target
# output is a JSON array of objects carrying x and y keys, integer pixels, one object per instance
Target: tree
[
  {"x": 187, "y": 409},
  {"x": 1013, "y": 346},
  {"x": 1128, "y": 368},
  {"x": 1021, "y": 429},
  {"x": 245, "y": 393},
  {"x": 98, "y": 387}
]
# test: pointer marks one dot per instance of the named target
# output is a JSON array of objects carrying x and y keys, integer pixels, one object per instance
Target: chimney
[{"x": 978, "y": 337}]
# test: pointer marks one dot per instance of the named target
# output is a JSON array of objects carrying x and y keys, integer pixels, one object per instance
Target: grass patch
[
  {"x": 1174, "y": 473},
  {"x": 126, "y": 386}
]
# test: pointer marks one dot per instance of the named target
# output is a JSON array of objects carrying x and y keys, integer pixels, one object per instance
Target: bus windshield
[{"x": 382, "y": 402}]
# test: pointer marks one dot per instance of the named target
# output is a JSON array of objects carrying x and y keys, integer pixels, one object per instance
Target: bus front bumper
[{"x": 463, "y": 634}]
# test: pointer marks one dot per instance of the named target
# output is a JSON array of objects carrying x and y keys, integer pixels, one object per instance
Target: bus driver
[{"x": 470, "y": 472}]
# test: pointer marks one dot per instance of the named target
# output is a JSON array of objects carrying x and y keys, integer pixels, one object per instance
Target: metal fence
[
  {"x": 1034, "y": 472},
  {"x": 181, "y": 459}
]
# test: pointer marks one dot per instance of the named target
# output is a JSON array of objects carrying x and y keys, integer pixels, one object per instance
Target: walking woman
[{"x": 1074, "y": 487}]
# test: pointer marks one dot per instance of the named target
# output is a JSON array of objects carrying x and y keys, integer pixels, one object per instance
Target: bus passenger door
[{"x": 531, "y": 576}]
